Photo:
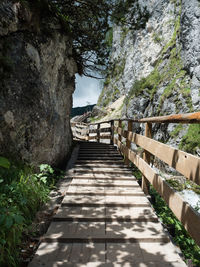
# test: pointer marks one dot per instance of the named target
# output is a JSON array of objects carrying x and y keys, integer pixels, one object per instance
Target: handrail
[
  {"x": 174, "y": 118},
  {"x": 185, "y": 163}
]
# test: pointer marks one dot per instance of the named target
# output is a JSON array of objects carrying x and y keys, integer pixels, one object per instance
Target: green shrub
[
  {"x": 190, "y": 142},
  {"x": 22, "y": 192}
]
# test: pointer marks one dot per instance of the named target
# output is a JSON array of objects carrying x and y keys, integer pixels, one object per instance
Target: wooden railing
[{"x": 186, "y": 164}]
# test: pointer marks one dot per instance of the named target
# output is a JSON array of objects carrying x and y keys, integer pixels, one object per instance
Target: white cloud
[{"x": 87, "y": 91}]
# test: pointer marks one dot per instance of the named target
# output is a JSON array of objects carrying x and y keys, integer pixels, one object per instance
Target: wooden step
[
  {"x": 100, "y": 165},
  {"x": 106, "y": 185},
  {"x": 102, "y": 170},
  {"x": 103, "y": 175},
  {"x": 130, "y": 184},
  {"x": 133, "y": 213},
  {"x": 108, "y": 161},
  {"x": 102, "y": 192},
  {"x": 106, "y": 231},
  {"x": 97, "y": 151},
  {"x": 109, "y": 180},
  {"x": 103, "y": 157},
  {"x": 108, "y": 200},
  {"x": 107, "y": 254}
]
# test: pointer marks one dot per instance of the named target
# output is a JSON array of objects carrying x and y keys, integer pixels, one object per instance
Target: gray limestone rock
[
  {"x": 37, "y": 81},
  {"x": 168, "y": 46}
]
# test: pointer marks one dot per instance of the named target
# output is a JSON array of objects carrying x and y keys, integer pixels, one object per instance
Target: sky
[{"x": 87, "y": 91}]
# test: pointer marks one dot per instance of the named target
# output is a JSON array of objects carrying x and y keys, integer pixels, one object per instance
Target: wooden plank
[
  {"x": 112, "y": 132},
  {"x": 102, "y": 130},
  {"x": 146, "y": 157},
  {"x": 175, "y": 118},
  {"x": 128, "y": 142},
  {"x": 98, "y": 132},
  {"x": 182, "y": 210},
  {"x": 185, "y": 163},
  {"x": 120, "y": 130},
  {"x": 61, "y": 231},
  {"x": 100, "y": 137}
]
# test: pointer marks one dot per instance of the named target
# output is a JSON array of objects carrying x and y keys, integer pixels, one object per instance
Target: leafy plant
[
  {"x": 22, "y": 192},
  {"x": 176, "y": 184},
  {"x": 4, "y": 162},
  {"x": 190, "y": 142},
  {"x": 182, "y": 239},
  {"x": 187, "y": 245}
]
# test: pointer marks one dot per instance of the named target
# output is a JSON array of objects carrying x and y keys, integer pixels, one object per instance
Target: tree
[{"x": 87, "y": 22}]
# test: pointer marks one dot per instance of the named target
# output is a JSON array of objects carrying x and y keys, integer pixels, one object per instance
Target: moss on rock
[{"x": 190, "y": 142}]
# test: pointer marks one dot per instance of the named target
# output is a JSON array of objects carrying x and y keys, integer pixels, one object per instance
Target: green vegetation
[
  {"x": 180, "y": 236},
  {"x": 118, "y": 68},
  {"x": 109, "y": 37},
  {"x": 187, "y": 245},
  {"x": 190, "y": 142},
  {"x": 131, "y": 7},
  {"x": 123, "y": 35},
  {"x": 81, "y": 110},
  {"x": 171, "y": 75},
  {"x": 22, "y": 192},
  {"x": 176, "y": 130},
  {"x": 149, "y": 83},
  {"x": 178, "y": 186},
  {"x": 156, "y": 37},
  {"x": 86, "y": 22}
]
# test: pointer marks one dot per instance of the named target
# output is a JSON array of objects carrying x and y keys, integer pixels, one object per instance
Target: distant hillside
[{"x": 81, "y": 110}]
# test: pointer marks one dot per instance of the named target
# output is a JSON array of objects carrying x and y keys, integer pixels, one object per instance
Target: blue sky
[{"x": 87, "y": 91}]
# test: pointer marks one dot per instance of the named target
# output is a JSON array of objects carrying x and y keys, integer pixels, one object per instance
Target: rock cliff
[
  {"x": 36, "y": 83},
  {"x": 155, "y": 63}
]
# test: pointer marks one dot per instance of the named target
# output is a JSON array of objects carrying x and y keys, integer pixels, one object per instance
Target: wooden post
[
  {"x": 98, "y": 132},
  {"x": 88, "y": 133},
  {"x": 128, "y": 143},
  {"x": 120, "y": 126},
  {"x": 146, "y": 157},
  {"x": 112, "y": 132}
]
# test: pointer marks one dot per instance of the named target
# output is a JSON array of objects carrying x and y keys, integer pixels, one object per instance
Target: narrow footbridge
[{"x": 105, "y": 218}]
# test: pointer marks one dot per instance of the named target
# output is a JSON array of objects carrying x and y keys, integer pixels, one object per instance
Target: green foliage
[
  {"x": 182, "y": 239},
  {"x": 136, "y": 172},
  {"x": 124, "y": 32},
  {"x": 86, "y": 22},
  {"x": 178, "y": 186},
  {"x": 80, "y": 110},
  {"x": 109, "y": 37},
  {"x": 4, "y": 162},
  {"x": 131, "y": 7},
  {"x": 176, "y": 130},
  {"x": 22, "y": 192},
  {"x": 190, "y": 142},
  {"x": 156, "y": 37},
  {"x": 149, "y": 83}
]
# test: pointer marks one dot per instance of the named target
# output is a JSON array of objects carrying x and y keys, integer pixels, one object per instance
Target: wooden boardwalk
[{"x": 105, "y": 219}]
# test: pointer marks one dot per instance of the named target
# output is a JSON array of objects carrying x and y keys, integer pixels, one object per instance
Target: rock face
[
  {"x": 37, "y": 81},
  {"x": 156, "y": 64}
]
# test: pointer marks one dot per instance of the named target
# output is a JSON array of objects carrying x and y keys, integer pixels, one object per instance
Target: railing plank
[
  {"x": 182, "y": 210},
  {"x": 100, "y": 137},
  {"x": 175, "y": 118},
  {"x": 185, "y": 163},
  {"x": 102, "y": 130}
]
